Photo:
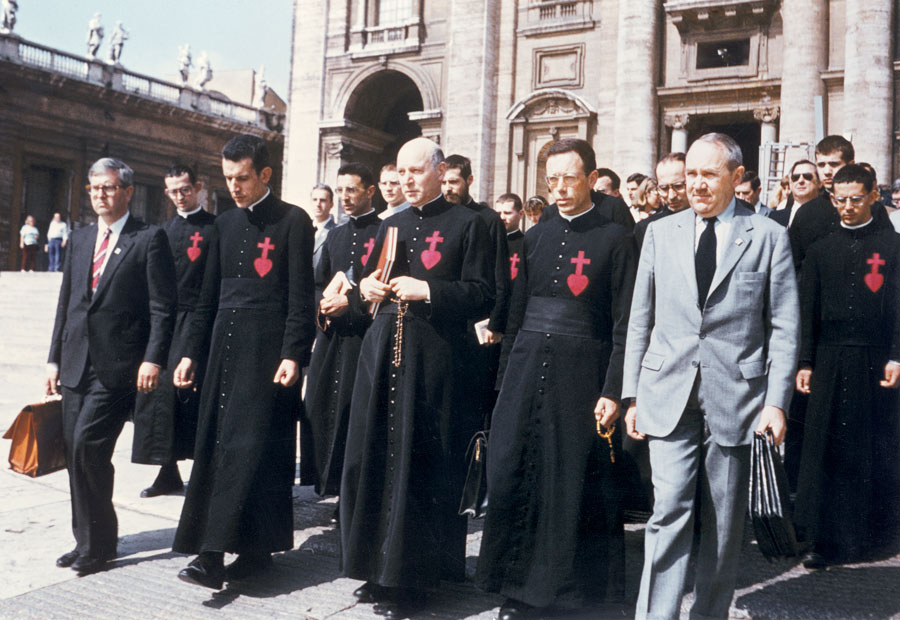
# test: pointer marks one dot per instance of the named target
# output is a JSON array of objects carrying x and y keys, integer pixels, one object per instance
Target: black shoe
[
  {"x": 204, "y": 571},
  {"x": 399, "y": 603},
  {"x": 246, "y": 565},
  {"x": 86, "y": 565},
  {"x": 67, "y": 559},
  {"x": 336, "y": 515},
  {"x": 368, "y": 593},
  {"x": 511, "y": 609},
  {"x": 168, "y": 482},
  {"x": 814, "y": 561}
]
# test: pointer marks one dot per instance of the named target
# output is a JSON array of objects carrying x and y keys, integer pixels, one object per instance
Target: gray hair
[
  {"x": 110, "y": 164},
  {"x": 896, "y": 186},
  {"x": 733, "y": 155},
  {"x": 437, "y": 156}
]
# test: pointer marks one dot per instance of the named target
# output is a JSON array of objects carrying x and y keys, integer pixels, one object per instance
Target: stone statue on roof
[
  {"x": 204, "y": 71},
  {"x": 261, "y": 88},
  {"x": 95, "y": 36},
  {"x": 184, "y": 62},
  {"x": 116, "y": 42},
  {"x": 8, "y": 18}
]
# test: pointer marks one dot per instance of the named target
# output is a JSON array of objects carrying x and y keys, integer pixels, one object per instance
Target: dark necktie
[{"x": 705, "y": 260}]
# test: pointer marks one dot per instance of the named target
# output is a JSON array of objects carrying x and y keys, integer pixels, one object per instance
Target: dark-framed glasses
[
  {"x": 842, "y": 200},
  {"x": 185, "y": 191},
  {"x": 102, "y": 189},
  {"x": 664, "y": 189},
  {"x": 569, "y": 180},
  {"x": 809, "y": 176}
]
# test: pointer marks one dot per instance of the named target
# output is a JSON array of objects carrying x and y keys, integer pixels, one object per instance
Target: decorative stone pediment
[
  {"x": 550, "y": 104},
  {"x": 706, "y": 15}
]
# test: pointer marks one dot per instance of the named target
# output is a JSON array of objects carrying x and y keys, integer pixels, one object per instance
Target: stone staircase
[{"x": 27, "y": 310}]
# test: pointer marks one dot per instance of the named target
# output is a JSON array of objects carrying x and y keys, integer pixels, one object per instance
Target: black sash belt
[
  {"x": 251, "y": 294},
  {"x": 563, "y": 317}
]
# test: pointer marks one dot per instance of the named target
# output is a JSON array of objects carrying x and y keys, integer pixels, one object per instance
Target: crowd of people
[{"x": 621, "y": 355}]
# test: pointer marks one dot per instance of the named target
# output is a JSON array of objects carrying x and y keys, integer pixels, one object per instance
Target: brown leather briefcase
[{"x": 37, "y": 439}]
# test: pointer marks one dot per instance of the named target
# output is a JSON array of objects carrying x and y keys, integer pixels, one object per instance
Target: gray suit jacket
[{"x": 744, "y": 343}]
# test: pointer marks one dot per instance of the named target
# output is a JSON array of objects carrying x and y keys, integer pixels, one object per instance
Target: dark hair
[
  {"x": 636, "y": 177},
  {"x": 855, "y": 173},
  {"x": 753, "y": 179},
  {"x": 802, "y": 161},
  {"x": 250, "y": 147},
  {"x": 326, "y": 188},
  {"x": 869, "y": 167},
  {"x": 836, "y": 144},
  {"x": 580, "y": 147},
  {"x": 177, "y": 170},
  {"x": 669, "y": 157},
  {"x": 613, "y": 177},
  {"x": 391, "y": 167},
  {"x": 361, "y": 170},
  {"x": 513, "y": 198},
  {"x": 535, "y": 203},
  {"x": 461, "y": 163}
]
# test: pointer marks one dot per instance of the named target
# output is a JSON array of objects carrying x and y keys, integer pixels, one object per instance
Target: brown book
[{"x": 386, "y": 263}]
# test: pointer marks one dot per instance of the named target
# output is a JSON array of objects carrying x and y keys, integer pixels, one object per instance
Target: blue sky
[{"x": 236, "y": 34}]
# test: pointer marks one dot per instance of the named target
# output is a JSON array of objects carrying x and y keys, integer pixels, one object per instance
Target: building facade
[{"x": 500, "y": 81}]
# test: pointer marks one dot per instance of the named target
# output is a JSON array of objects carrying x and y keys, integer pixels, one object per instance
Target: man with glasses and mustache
[{"x": 165, "y": 420}]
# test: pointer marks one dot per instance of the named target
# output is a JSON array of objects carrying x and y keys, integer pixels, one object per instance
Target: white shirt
[
  {"x": 58, "y": 230},
  {"x": 722, "y": 228},
  {"x": 389, "y": 211},
  {"x": 895, "y": 220},
  {"x": 116, "y": 229}
]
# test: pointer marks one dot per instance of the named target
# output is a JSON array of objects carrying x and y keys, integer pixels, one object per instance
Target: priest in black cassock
[
  {"x": 553, "y": 533},
  {"x": 411, "y": 417},
  {"x": 849, "y": 482},
  {"x": 332, "y": 369},
  {"x": 258, "y": 300},
  {"x": 509, "y": 208},
  {"x": 165, "y": 420}
]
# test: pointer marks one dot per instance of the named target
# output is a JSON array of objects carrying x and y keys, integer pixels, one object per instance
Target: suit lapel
[
  {"x": 83, "y": 261},
  {"x": 741, "y": 235},
  {"x": 123, "y": 245},
  {"x": 684, "y": 247}
]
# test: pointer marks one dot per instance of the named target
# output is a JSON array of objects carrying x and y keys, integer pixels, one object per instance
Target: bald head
[{"x": 420, "y": 164}]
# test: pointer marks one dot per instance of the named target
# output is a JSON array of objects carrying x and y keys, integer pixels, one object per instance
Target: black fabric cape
[
  {"x": 849, "y": 482},
  {"x": 410, "y": 425},
  {"x": 165, "y": 420},
  {"x": 553, "y": 532},
  {"x": 332, "y": 368},
  {"x": 258, "y": 299}
]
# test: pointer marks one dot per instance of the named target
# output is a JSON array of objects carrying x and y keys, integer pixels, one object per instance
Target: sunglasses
[{"x": 809, "y": 176}]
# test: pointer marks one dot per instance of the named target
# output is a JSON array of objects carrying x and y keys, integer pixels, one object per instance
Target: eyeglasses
[
  {"x": 180, "y": 191},
  {"x": 809, "y": 176},
  {"x": 854, "y": 200},
  {"x": 102, "y": 189},
  {"x": 569, "y": 180},
  {"x": 664, "y": 189}
]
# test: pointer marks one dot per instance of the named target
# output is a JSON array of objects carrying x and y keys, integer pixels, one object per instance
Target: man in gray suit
[{"x": 712, "y": 347}]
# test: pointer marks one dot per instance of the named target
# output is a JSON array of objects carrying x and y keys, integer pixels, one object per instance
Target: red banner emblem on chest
[
  {"x": 194, "y": 251},
  {"x": 874, "y": 279},
  {"x": 369, "y": 245},
  {"x": 431, "y": 256},
  {"x": 578, "y": 281},
  {"x": 513, "y": 266},
  {"x": 263, "y": 264}
]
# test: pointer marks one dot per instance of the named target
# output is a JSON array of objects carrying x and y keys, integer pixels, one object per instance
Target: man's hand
[
  {"x": 372, "y": 290},
  {"x": 606, "y": 412},
  {"x": 288, "y": 373},
  {"x": 334, "y": 306},
  {"x": 804, "y": 376},
  {"x": 184, "y": 373},
  {"x": 631, "y": 423},
  {"x": 148, "y": 377},
  {"x": 772, "y": 417},
  {"x": 409, "y": 289},
  {"x": 52, "y": 384},
  {"x": 891, "y": 375},
  {"x": 491, "y": 337}
]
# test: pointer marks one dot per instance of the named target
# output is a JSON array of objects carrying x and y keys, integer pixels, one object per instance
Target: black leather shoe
[
  {"x": 67, "y": 559},
  {"x": 397, "y": 603},
  {"x": 204, "y": 572},
  {"x": 156, "y": 489},
  {"x": 85, "y": 565},
  {"x": 368, "y": 593},
  {"x": 512, "y": 609},
  {"x": 247, "y": 565},
  {"x": 336, "y": 515},
  {"x": 814, "y": 561}
]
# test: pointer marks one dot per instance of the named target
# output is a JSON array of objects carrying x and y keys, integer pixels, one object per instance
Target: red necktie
[{"x": 99, "y": 255}]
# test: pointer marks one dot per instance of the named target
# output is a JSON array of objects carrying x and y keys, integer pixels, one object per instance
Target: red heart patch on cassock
[
  {"x": 577, "y": 283},
  {"x": 262, "y": 266},
  {"x": 193, "y": 253},
  {"x": 430, "y": 258},
  {"x": 874, "y": 281}
]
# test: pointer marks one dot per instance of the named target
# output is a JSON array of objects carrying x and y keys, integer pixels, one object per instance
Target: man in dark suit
[{"x": 113, "y": 327}]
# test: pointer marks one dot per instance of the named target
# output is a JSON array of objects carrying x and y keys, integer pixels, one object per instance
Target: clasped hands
[{"x": 404, "y": 288}]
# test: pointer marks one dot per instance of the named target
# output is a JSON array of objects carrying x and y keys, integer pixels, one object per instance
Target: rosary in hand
[{"x": 607, "y": 434}]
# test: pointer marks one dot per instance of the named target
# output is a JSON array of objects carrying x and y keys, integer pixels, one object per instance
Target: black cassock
[
  {"x": 258, "y": 298},
  {"x": 165, "y": 420},
  {"x": 410, "y": 425},
  {"x": 332, "y": 369},
  {"x": 553, "y": 531},
  {"x": 849, "y": 482}
]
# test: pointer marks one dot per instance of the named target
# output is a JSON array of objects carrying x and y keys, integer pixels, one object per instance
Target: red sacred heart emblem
[
  {"x": 369, "y": 245},
  {"x": 193, "y": 253},
  {"x": 263, "y": 264},
  {"x": 513, "y": 266},
  {"x": 874, "y": 279},
  {"x": 431, "y": 256},
  {"x": 577, "y": 283}
]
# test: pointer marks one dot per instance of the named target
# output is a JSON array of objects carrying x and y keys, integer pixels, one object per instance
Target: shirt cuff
[{"x": 51, "y": 367}]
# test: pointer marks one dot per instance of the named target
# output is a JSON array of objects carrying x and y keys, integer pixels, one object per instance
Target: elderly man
[
  {"x": 111, "y": 338},
  {"x": 710, "y": 357},
  {"x": 411, "y": 414}
]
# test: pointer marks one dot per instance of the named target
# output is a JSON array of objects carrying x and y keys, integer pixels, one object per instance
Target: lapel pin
[
  {"x": 739, "y": 241},
  {"x": 119, "y": 250}
]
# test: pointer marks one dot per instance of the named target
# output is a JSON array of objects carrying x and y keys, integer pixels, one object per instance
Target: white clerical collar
[
  {"x": 433, "y": 200},
  {"x": 569, "y": 218},
  {"x": 848, "y": 227},
  {"x": 266, "y": 195},
  {"x": 356, "y": 217},
  {"x": 116, "y": 226},
  {"x": 509, "y": 234},
  {"x": 186, "y": 214}
]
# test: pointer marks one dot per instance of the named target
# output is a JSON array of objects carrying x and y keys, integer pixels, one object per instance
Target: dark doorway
[
  {"x": 739, "y": 126},
  {"x": 45, "y": 192}
]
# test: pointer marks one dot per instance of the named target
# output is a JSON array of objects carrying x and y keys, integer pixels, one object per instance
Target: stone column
[
  {"x": 805, "y": 53},
  {"x": 767, "y": 115},
  {"x": 637, "y": 53},
  {"x": 868, "y": 91},
  {"x": 678, "y": 122}
]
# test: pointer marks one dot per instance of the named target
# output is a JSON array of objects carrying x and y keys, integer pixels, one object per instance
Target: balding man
[{"x": 411, "y": 417}]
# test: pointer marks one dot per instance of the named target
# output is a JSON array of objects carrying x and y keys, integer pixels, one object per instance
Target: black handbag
[
  {"x": 474, "y": 497},
  {"x": 770, "y": 500}
]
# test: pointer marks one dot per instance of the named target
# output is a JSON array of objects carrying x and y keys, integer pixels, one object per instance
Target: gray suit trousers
[{"x": 679, "y": 462}]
